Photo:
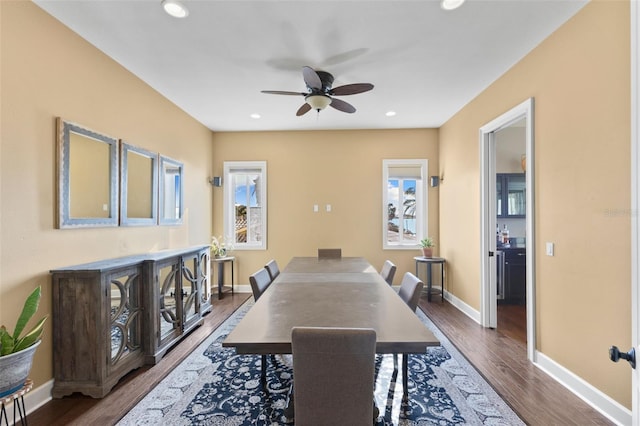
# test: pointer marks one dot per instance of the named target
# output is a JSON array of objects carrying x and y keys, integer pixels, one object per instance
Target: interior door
[{"x": 488, "y": 300}]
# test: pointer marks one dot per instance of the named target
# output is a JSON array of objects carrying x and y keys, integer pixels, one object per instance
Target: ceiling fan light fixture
[
  {"x": 175, "y": 8},
  {"x": 451, "y": 4},
  {"x": 318, "y": 102}
]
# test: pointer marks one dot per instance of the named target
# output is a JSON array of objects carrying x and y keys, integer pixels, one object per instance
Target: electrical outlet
[
  {"x": 315, "y": 208},
  {"x": 328, "y": 207}
]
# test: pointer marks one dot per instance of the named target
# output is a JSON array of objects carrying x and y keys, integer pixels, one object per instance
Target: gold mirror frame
[
  {"x": 138, "y": 186},
  {"x": 171, "y": 192},
  {"x": 87, "y": 177}
]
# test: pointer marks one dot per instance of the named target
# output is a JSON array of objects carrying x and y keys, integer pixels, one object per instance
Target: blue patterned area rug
[{"x": 214, "y": 386}]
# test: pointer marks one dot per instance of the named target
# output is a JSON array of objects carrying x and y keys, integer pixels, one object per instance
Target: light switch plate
[
  {"x": 328, "y": 207},
  {"x": 315, "y": 208},
  {"x": 549, "y": 249}
]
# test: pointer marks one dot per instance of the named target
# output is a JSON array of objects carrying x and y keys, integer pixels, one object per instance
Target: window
[
  {"x": 404, "y": 203},
  {"x": 245, "y": 204}
]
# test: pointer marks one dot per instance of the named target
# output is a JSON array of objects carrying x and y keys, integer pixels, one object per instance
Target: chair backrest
[
  {"x": 272, "y": 268},
  {"x": 259, "y": 281},
  {"x": 410, "y": 290},
  {"x": 388, "y": 271},
  {"x": 333, "y": 370},
  {"x": 329, "y": 253}
]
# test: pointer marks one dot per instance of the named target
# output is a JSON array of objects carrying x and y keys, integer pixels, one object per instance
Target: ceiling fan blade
[
  {"x": 351, "y": 89},
  {"x": 311, "y": 78},
  {"x": 281, "y": 92},
  {"x": 343, "y": 106},
  {"x": 303, "y": 109}
]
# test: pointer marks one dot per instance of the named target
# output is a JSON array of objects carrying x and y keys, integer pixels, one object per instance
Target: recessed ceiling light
[
  {"x": 175, "y": 8},
  {"x": 390, "y": 113},
  {"x": 451, "y": 4},
  {"x": 254, "y": 115}
]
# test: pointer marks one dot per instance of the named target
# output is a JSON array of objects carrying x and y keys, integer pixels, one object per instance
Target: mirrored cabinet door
[
  {"x": 169, "y": 323},
  {"x": 125, "y": 303},
  {"x": 190, "y": 300}
]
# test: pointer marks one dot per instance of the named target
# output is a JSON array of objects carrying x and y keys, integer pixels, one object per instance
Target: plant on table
[
  {"x": 427, "y": 245},
  {"x": 17, "y": 349},
  {"x": 13, "y": 342},
  {"x": 220, "y": 247}
]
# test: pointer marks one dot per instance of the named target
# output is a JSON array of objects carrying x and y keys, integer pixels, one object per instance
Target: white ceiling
[{"x": 425, "y": 63}]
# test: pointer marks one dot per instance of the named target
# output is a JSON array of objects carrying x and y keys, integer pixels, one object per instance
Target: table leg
[
  {"x": 442, "y": 282},
  {"x": 405, "y": 378},
  {"x": 220, "y": 278},
  {"x": 232, "y": 265},
  {"x": 429, "y": 284},
  {"x": 21, "y": 411},
  {"x": 263, "y": 372}
]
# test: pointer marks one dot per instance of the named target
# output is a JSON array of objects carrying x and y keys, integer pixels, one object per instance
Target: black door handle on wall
[{"x": 615, "y": 355}]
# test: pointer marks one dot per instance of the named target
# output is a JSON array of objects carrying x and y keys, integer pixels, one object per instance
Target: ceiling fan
[{"x": 320, "y": 92}]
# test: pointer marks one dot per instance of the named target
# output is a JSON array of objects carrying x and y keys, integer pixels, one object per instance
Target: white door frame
[
  {"x": 488, "y": 299},
  {"x": 635, "y": 205}
]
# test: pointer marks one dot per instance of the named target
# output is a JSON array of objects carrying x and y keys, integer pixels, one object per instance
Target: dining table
[{"x": 346, "y": 292}]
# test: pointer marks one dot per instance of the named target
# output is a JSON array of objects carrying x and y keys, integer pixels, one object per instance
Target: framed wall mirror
[
  {"x": 87, "y": 177},
  {"x": 171, "y": 191},
  {"x": 138, "y": 186}
]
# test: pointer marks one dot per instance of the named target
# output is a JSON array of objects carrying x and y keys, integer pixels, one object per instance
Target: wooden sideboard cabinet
[{"x": 113, "y": 316}]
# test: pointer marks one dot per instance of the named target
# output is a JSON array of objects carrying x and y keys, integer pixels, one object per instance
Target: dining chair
[
  {"x": 260, "y": 281},
  {"x": 272, "y": 268},
  {"x": 333, "y": 375},
  {"x": 410, "y": 291},
  {"x": 329, "y": 253},
  {"x": 388, "y": 271}
]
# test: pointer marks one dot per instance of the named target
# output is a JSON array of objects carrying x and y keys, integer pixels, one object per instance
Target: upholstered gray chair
[
  {"x": 260, "y": 281},
  {"x": 388, "y": 271},
  {"x": 333, "y": 376},
  {"x": 329, "y": 253},
  {"x": 272, "y": 268},
  {"x": 410, "y": 291}
]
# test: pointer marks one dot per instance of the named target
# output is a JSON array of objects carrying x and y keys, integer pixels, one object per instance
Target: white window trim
[
  {"x": 422, "y": 228},
  {"x": 229, "y": 225}
]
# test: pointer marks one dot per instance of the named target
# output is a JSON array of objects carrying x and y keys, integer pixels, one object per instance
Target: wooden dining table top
[{"x": 346, "y": 292}]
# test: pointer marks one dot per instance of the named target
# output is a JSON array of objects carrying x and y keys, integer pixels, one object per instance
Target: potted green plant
[
  {"x": 427, "y": 245},
  {"x": 17, "y": 350}
]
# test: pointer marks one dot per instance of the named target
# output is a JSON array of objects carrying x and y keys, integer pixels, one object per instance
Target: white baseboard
[
  {"x": 609, "y": 408},
  {"x": 463, "y": 307},
  {"x": 241, "y": 288}
]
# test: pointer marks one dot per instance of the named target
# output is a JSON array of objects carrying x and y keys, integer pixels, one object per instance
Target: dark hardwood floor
[
  {"x": 499, "y": 355},
  {"x": 83, "y": 410}
]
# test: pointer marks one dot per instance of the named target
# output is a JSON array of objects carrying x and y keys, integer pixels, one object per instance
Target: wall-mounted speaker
[
  {"x": 216, "y": 181},
  {"x": 435, "y": 180}
]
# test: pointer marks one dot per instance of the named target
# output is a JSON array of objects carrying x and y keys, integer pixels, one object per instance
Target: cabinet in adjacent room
[
  {"x": 511, "y": 195},
  {"x": 113, "y": 316},
  {"x": 515, "y": 276}
]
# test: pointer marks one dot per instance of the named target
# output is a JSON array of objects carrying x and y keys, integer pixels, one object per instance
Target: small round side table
[{"x": 18, "y": 401}]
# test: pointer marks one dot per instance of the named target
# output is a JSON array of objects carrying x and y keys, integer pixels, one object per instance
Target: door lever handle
[{"x": 615, "y": 355}]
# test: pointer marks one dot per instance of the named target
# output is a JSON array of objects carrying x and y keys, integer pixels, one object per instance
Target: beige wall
[
  {"x": 579, "y": 78},
  {"x": 341, "y": 168},
  {"x": 48, "y": 71}
]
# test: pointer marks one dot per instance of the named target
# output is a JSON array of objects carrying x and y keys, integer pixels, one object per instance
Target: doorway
[{"x": 510, "y": 206}]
